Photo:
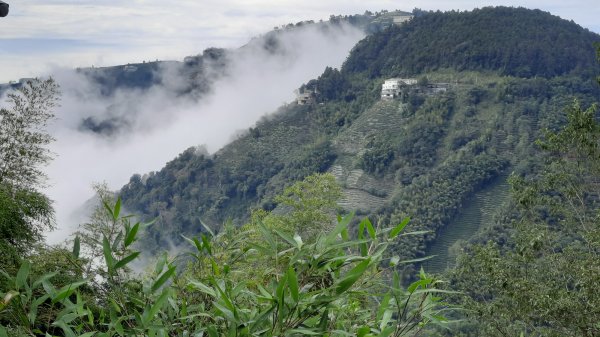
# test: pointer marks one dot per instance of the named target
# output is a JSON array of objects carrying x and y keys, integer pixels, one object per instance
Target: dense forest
[
  {"x": 255, "y": 248},
  {"x": 513, "y": 41}
]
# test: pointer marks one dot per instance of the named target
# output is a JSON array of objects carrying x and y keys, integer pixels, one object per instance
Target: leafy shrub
[{"x": 276, "y": 284}]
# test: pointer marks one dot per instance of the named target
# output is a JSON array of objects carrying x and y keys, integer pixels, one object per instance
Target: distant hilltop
[
  {"x": 512, "y": 41},
  {"x": 145, "y": 74}
]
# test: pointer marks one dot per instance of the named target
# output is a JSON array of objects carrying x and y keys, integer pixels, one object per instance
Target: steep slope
[
  {"x": 423, "y": 154},
  {"x": 480, "y": 208},
  {"x": 198, "y": 187}
]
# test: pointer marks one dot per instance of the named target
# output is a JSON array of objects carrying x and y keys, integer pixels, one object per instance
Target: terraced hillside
[
  {"x": 384, "y": 117},
  {"x": 362, "y": 191},
  {"x": 479, "y": 211},
  {"x": 421, "y": 155}
]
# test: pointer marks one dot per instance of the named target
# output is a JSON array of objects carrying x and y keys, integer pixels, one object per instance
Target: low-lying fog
[{"x": 157, "y": 125}]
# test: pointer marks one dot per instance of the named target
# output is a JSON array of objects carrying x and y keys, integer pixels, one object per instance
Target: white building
[
  {"x": 305, "y": 98},
  {"x": 400, "y": 19},
  {"x": 393, "y": 86}
]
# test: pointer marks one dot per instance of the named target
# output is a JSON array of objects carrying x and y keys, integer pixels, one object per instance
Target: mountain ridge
[
  {"x": 514, "y": 41},
  {"x": 422, "y": 154}
]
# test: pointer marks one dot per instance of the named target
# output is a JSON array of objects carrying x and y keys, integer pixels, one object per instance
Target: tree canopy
[{"x": 25, "y": 213}]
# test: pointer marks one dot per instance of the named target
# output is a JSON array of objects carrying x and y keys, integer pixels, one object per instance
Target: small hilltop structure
[
  {"x": 396, "y": 87},
  {"x": 395, "y": 18},
  {"x": 400, "y": 17},
  {"x": 306, "y": 97},
  {"x": 392, "y": 87}
]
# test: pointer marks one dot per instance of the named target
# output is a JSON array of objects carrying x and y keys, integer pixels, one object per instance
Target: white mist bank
[{"x": 165, "y": 125}]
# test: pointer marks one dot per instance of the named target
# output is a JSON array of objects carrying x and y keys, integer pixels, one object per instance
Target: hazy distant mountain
[{"x": 193, "y": 77}]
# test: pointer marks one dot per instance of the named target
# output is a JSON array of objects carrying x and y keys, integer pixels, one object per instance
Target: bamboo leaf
[
  {"x": 150, "y": 313},
  {"x": 65, "y": 328},
  {"x": 266, "y": 235},
  {"x": 116, "y": 241},
  {"x": 197, "y": 244},
  {"x": 435, "y": 290},
  {"x": 160, "y": 263},
  {"x": 108, "y": 208},
  {"x": 339, "y": 228},
  {"x": 117, "y": 209},
  {"x": 345, "y": 235},
  {"x": 415, "y": 285},
  {"x": 67, "y": 290},
  {"x": 293, "y": 283},
  {"x": 352, "y": 276},
  {"x": 203, "y": 287},
  {"x": 206, "y": 244},
  {"x": 212, "y": 331},
  {"x": 387, "y": 317},
  {"x": 383, "y": 306},
  {"x": 324, "y": 321},
  {"x": 421, "y": 259},
  {"x": 370, "y": 228},
  {"x": 88, "y": 334},
  {"x": 386, "y": 332},
  {"x": 76, "y": 247},
  {"x": 416, "y": 233},
  {"x": 123, "y": 262},
  {"x": 107, "y": 254},
  {"x": 264, "y": 316},
  {"x": 361, "y": 235},
  {"x": 163, "y": 278},
  {"x": 190, "y": 241},
  {"x": 131, "y": 235},
  {"x": 48, "y": 287},
  {"x": 215, "y": 268},
  {"x": 280, "y": 292},
  {"x": 225, "y": 299},
  {"x": 210, "y": 231},
  {"x": 399, "y": 228},
  {"x": 396, "y": 280},
  {"x": 34, "y": 307},
  {"x": 227, "y": 313},
  {"x": 286, "y": 237},
  {"x": 303, "y": 332},
  {"x": 22, "y": 275},
  {"x": 148, "y": 224},
  {"x": 363, "y": 331}
]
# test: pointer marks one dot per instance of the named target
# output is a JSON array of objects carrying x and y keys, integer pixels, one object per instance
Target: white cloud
[
  {"x": 122, "y": 31},
  {"x": 163, "y": 125}
]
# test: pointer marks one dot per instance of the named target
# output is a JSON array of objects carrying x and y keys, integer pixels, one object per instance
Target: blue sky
[{"x": 41, "y": 35}]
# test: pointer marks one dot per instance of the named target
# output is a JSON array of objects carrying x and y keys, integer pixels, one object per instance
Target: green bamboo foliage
[{"x": 339, "y": 284}]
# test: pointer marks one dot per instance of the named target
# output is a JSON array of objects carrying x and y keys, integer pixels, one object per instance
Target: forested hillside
[
  {"x": 245, "y": 241},
  {"x": 421, "y": 155},
  {"x": 512, "y": 41}
]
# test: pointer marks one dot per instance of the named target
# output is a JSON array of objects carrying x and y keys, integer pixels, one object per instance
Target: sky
[{"x": 41, "y": 35}]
